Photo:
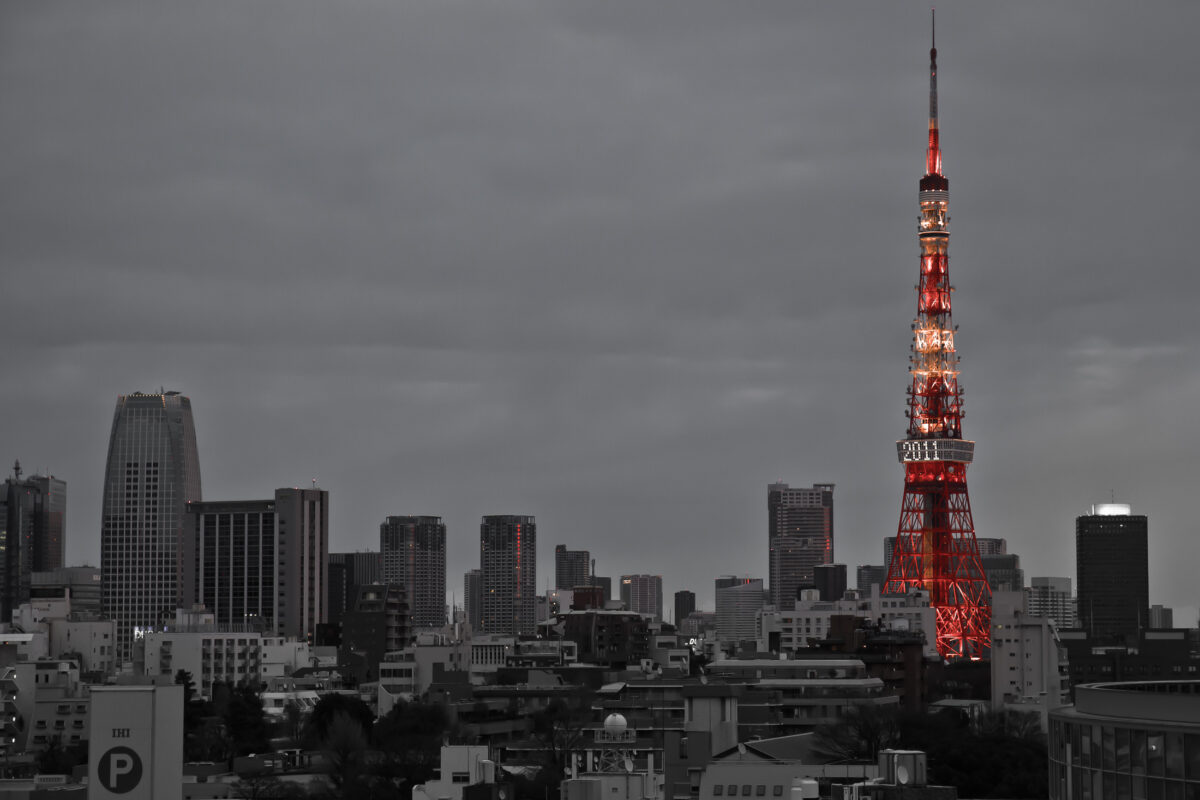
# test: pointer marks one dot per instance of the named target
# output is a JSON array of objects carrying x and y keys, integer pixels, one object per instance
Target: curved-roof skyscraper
[{"x": 153, "y": 471}]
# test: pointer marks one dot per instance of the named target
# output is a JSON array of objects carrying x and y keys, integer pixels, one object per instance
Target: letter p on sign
[{"x": 120, "y": 770}]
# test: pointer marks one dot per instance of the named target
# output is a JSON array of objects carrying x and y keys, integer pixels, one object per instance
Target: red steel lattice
[{"x": 935, "y": 542}]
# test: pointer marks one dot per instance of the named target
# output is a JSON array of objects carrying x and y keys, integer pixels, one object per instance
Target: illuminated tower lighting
[{"x": 935, "y": 543}]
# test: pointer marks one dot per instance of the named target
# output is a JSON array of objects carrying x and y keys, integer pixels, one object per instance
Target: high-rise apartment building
[
  {"x": 800, "y": 536},
  {"x": 1051, "y": 598},
  {"x": 508, "y": 562},
  {"x": 152, "y": 473},
  {"x": 260, "y": 563},
  {"x": 642, "y": 594},
  {"x": 347, "y": 572},
  {"x": 685, "y": 604},
  {"x": 738, "y": 605},
  {"x": 1111, "y": 565},
  {"x": 473, "y": 598},
  {"x": 413, "y": 554},
  {"x": 302, "y": 519},
  {"x": 571, "y": 567},
  {"x": 33, "y": 513}
]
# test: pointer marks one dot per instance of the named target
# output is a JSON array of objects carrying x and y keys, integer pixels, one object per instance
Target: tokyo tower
[{"x": 935, "y": 543}]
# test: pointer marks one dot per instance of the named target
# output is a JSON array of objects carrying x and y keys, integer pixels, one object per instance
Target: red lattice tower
[{"x": 935, "y": 543}]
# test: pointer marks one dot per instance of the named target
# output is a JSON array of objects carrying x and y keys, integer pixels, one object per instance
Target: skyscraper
[
  {"x": 1111, "y": 565},
  {"x": 738, "y": 605},
  {"x": 261, "y": 563},
  {"x": 685, "y": 603},
  {"x": 302, "y": 519},
  {"x": 473, "y": 598},
  {"x": 152, "y": 472},
  {"x": 799, "y": 535},
  {"x": 642, "y": 594},
  {"x": 32, "y": 517},
  {"x": 508, "y": 563},
  {"x": 413, "y": 554},
  {"x": 830, "y": 581},
  {"x": 571, "y": 567}
]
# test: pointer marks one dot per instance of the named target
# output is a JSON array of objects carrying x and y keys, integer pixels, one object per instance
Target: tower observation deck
[{"x": 935, "y": 543}]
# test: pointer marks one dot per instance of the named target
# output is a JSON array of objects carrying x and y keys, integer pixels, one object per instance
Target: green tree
[{"x": 246, "y": 722}]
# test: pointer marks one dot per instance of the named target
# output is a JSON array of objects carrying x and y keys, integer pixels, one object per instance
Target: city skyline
[{"x": 584, "y": 258}]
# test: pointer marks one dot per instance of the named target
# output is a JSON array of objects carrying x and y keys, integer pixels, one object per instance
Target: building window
[
  {"x": 460, "y": 777},
  {"x": 718, "y": 790}
]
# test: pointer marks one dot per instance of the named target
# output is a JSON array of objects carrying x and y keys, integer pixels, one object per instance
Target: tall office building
[
  {"x": 33, "y": 513},
  {"x": 473, "y": 598},
  {"x": 685, "y": 603},
  {"x": 302, "y": 520},
  {"x": 1003, "y": 572},
  {"x": 508, "y": 562},
  {"x": 260, "y": 563},
  {"x": 830, "y": 581},
  {"x": 868, "y": 575},
  {"x": 1111, "y": 566},
  {"x": 413, "y": 554},
  {"x": 571, "y": 567},
  {"x": 800, "y": 536},
  {"x": 152, "y": 473},
  {"x": 642, "y": 594},
  {"x": 347, "y": 572},
  {"x": 738, "y": 605},
  {"x": 1052, "y": 598}
]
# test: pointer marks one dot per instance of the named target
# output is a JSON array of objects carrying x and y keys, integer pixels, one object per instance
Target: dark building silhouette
[
  {"x": 378, "y": 624},
  {"x": 473, "y": 598},
  {"x": 33, "y": 517},
  {"x": 830, "y": 580},
  {"x": 1111, "y": 567},
  {"x": 413, "y": 553},
  {"x": 685, "y": 603},
  {"x": 868, "y": 575},
  {"x": 508, "y": 561},
  {"x": 347, "y": 572},
  {"x": 152, "y": 473},
  {"x": 799, "y": 535},
  {"x": 571, "y": 567},
  {"x": 1003, "y": 572}
]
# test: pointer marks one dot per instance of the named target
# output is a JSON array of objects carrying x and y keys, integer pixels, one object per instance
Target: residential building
[
  {"x": 302, "y": 519},
  {"x": 413, "y": 554},
  {"x": 571, "y": 567},
  {"x": 210, "y": 655},
  {"x": 152, "y": 473},
  {"x": 347, "y": 572},
  {"x": 737, "y": 609},
  {"x": 1051, "y": 597},
  {"x": 685, "y": 603},
  {"x": 813, "y": 620},
  {"x": 473, "y": 598},
  {"x": 1028, "y": 660},
  {"x": 508, "y": 562},
  {"x": 799, "y": 536},
  {"x": 32, "y": 518},
  {"x": 642, "y": 594},
  {"x": 1111, "y": 566},
  {"x": 379, "y": 623}
]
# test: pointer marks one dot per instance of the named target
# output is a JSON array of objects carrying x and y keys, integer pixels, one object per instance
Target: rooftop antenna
[{"x": 17, "y": 470}]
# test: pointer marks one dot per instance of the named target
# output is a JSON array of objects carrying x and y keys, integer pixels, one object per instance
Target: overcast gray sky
[{"x": 615, "y": 264}]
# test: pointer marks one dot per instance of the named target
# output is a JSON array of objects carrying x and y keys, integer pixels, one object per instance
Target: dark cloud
[{"x": 614, "y": 264}]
